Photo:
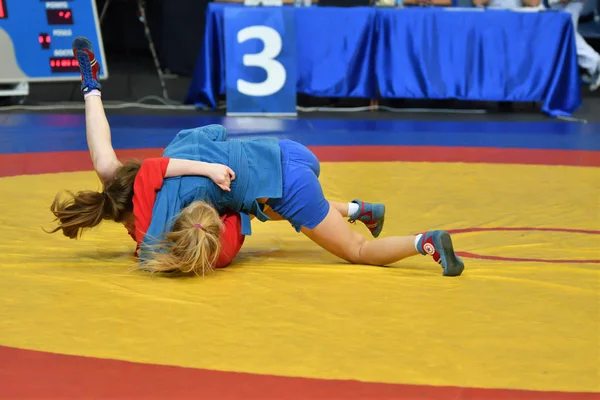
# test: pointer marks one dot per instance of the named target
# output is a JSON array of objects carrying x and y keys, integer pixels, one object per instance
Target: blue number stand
[{"x": 260, "y": 61}]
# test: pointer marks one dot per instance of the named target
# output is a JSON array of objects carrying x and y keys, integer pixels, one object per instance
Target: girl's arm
[{"x": 220, "y": 174}]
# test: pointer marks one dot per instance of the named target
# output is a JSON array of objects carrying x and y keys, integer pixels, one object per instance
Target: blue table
[{"x": 418, "y": 53}]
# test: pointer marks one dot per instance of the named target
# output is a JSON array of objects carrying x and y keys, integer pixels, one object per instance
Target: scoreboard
[{"x": 36, "y": 36}]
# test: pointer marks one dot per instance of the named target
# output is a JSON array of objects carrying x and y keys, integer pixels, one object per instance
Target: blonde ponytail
[{"x": 193, "y": 246}]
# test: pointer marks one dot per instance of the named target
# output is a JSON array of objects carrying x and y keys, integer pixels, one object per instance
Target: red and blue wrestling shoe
[
  {"x": 438, "y": 244},
  {"x": 88, "y": 65},
  {"x": 372, "y": 215}
]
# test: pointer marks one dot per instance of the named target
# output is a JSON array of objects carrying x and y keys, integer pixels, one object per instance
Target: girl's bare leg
[
  {"x": 97, "y": 129},
  {"x": 342, "y": 208},
  {"x": 98, "y": 138},
  {"x": 336, "y": 236}
]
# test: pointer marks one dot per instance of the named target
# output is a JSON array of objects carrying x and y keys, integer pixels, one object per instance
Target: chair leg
[
  {"x": 161, "y": 77},
  {"x": 104, "y": 10}
]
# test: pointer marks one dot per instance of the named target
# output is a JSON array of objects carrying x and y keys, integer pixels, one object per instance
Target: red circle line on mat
[{"x": 467, "y": 254}]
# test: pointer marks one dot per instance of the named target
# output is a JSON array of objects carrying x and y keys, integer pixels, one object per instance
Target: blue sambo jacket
[{"x": 257, "y": 167}]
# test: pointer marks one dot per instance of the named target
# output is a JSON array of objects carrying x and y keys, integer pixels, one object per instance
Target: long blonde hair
[{"x": 192, "y": 246}]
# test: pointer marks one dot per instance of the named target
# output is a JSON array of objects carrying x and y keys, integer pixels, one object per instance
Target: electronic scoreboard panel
[{"x": 36, "y": 36}]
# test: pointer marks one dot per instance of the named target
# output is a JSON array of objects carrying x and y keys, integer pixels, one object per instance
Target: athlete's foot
[
  {"x": 372, "y": 215},
  {"x": 88, "y": 65},
  {"x": 438, "y": 244}
]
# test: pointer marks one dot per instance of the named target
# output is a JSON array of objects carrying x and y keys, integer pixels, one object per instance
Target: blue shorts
[{"x": 302, "y": 202}]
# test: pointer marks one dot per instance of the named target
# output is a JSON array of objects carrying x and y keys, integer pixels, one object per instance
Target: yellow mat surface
[{"x": 288, "y": 308}]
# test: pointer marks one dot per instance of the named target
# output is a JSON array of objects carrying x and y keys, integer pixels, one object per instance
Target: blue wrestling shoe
[
  {"x": 372, "y": 215},
  {"x": 439, "y": 245},
  {"x": 89, "y": 67}
]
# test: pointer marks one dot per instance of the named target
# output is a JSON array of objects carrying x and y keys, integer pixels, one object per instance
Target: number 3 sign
[{"x": 260, "y": 61}]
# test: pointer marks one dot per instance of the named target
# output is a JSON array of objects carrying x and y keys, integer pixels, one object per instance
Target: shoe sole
[
  {"x": 454, "y": 265},
  {"x": 87, "y": 45},
  {"x": 380, "y": 224}
]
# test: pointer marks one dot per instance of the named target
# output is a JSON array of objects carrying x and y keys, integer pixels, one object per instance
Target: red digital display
[
  {"x": 61, "y": 64},
  {"x": 44, "y": 40},
  {"x": 3, "y": 11},
  {"x": 59, "y": 17}
]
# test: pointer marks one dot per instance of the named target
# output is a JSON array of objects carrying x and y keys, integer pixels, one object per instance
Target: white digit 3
[{"x": 276, "y": 74}]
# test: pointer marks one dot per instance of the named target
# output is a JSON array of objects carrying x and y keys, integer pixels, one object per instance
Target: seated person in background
[
  {"x": 440, "y": 3},
  {"x": 508, "y": 4},
  {"x": 587, "y": 58}
]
